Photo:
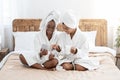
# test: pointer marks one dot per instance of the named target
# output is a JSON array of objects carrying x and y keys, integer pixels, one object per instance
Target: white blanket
[
  {"x": 103, "y": 49},
  {"x": 95, "y": 49}
]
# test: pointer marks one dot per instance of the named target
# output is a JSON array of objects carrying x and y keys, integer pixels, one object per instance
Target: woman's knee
[
  {"x": 22, "y": 59},
  {"x": 51, "y": 64},
  {"x": 67, "y": 66},
  {"x": 80, "y": 68},
  {"x": 54, "y": 62}
]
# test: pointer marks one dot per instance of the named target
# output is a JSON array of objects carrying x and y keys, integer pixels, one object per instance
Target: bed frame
[
  {"x": 24, "y": 25},
  {"x": 100, "y": 25}
]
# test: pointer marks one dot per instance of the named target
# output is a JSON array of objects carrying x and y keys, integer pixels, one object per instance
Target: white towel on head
[
  {"x": 53, "y": 15},
  {"x": 69, "y": 19}
]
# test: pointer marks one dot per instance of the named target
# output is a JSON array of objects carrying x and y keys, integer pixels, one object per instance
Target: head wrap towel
[
  {"x": 53, "y": 15},
  {"x": 69, "y": 19}
]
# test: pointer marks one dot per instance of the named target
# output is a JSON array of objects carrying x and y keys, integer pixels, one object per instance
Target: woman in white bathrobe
[
  {"x": 74, "y": 46},
  {"x": 46, "y": 50}
]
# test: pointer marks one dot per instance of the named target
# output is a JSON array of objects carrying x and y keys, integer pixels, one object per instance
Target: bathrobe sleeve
[
  {"x": 83, "y": 51},
  {"x": 37, "y": 45},
  {"x": 62, "y": 43}
]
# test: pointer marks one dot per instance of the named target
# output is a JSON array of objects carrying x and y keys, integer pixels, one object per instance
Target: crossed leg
[
  {"x": 67, "y": 66},
  {"x": 22, "y": 59},
  {"x": 51, "y": 63}
]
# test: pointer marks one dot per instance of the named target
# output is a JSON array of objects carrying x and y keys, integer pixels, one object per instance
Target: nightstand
[
  {"x": 117, "y": 57},
  {"x": 3, "y": 53}
]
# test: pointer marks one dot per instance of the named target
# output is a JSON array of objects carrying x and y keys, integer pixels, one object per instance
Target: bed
[{"x": 12, "y": 69}]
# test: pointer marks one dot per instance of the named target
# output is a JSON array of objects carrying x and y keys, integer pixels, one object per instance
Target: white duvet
[{"x": 103, "y": 49}]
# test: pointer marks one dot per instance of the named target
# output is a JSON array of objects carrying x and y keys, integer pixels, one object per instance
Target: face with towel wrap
[
  {"x": 68, "y": 22},
  {"x": 49, "y": 24}
]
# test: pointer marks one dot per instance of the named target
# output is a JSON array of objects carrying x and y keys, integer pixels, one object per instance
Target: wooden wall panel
[{"x": 24, "y": 25}]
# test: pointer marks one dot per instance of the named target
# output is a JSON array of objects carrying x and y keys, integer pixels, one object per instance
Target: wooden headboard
[
  {"x": 100, "y": 25},
  {"x": 24, "y": 25}
]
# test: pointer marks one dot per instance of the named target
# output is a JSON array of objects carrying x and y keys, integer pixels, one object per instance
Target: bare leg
[
  {"x": 80, "y": 68},
  {"x": 51, "y": 63},
  {"x": 22, "y": 59},
  {"x": 67, "y": 66}
]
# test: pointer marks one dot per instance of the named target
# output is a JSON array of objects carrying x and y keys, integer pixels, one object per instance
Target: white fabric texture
[
  {"x": 53, "y": 15},
  {"x": 103, "y": 49},
  {"x": 81, "y": 57},
  {"x": 88, "y": 63},
  {"x": 25, "y": 41},
  {"x": 69, "y": 19},
  {"x": 79, "y": 41},
  {"x": 91, "y": 36},
  {"x": 34, "y": 57}
]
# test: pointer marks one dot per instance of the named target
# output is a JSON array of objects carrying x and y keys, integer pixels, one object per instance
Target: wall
[
  {"x": 102, "y": 9},
  {"x": 39, "y": 8}
]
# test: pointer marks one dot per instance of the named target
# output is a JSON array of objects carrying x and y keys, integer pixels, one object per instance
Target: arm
[
  {"x": 56, "y": 47},
  {"x": 73, "y": 50},
  {"x": 51, "y": 56},
  {"x": 43, "y": 52},
  {"x": 37, "y": 43}
]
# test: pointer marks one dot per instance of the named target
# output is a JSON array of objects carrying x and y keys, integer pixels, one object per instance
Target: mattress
[{"x": 14, "y": 70}]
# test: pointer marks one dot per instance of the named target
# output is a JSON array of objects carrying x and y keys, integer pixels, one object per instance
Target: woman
[
  {"x": 74, "y": 46},
  {"x": 47, "y": 48}
]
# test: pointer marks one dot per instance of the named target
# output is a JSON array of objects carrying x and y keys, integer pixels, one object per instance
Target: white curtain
[
  {"x": 1, "y": 24},
  {"x": 8, "y": 11}
]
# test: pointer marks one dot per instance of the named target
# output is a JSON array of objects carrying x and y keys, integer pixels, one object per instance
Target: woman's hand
[
  {"x": 51, "y": 56},
  {"x": 56, "y": 47},
  {"x": 73, "y": 50},
  {"x": 44, "y": 52}
]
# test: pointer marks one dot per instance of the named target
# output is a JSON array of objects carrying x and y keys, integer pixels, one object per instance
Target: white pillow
[
  {"x": 103, "y": 49},
  {"x": 91, "y": 36},
  {"x": 24, "y": 41}
]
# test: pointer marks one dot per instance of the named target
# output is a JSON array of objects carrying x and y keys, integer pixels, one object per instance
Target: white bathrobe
[
  {"x": 33, "y": 57},
  {"x": 78, "y": 41},
  {"x": 41, "y": 38}
]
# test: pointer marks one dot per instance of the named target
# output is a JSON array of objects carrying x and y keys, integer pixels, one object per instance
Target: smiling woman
[{"x": 50, "y": 29}]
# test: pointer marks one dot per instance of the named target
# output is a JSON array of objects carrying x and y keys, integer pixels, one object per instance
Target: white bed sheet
[
  {"x": 103, "y": 49},
  {"x": 14, "y": 70}
]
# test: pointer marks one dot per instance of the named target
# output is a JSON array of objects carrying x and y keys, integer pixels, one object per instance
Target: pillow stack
[
  {"x": 91, "y": 37},
  {"x": 24, "y": 41}
]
